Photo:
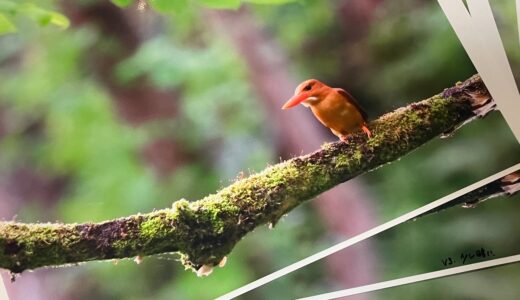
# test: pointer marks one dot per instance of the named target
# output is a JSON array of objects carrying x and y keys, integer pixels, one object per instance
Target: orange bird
[{"x": 335, "y": 108}]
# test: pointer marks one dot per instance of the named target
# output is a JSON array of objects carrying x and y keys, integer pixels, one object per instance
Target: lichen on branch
[{"x": 205, "y": 231}]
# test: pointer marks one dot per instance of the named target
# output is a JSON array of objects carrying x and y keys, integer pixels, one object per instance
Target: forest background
[{"x": 129, "y": 109}]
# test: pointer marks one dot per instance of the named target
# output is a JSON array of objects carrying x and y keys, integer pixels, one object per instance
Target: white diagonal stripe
[
  {"x": 476, "y": 29},
  {"x": 3, "y": 292},
  {"x": 365, "y": 235},
  {"x": 417, "y": 278}
]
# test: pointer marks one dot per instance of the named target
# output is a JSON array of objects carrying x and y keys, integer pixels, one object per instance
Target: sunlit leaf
[
  {"x": 122, "y": 3},
  {"x": 270, "y": 1},
  {"x": 58, "y": 19},
  {"x": 42, "y": 16},
  {"x": 6, "y": 26},
  {"x": 167, "y": 6},
  {"x": 230, "y": 4}
]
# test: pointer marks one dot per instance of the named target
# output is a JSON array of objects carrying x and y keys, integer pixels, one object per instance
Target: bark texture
[{"x": 205, "y": 231}]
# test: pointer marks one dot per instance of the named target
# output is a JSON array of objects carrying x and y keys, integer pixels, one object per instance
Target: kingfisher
[{"x": 335, "y": 108}]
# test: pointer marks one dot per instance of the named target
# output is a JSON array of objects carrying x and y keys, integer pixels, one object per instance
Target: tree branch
[
  {"x": 508, "y": 185},
  {"x": 204, "y": 231}
]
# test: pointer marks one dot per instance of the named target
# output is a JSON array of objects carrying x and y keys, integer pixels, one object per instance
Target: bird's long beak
[{"x": 295, "y": 100}]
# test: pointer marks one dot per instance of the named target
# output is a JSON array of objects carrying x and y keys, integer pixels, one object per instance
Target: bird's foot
[
  {"x": 366, "y": 131},
  {"x": 344, "y": 138}
]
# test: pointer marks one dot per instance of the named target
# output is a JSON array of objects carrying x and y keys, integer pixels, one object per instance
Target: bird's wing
[{"x": 353, "y": 101}]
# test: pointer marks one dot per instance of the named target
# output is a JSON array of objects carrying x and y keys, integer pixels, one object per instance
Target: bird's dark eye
[{"x": 307, "y": 87}]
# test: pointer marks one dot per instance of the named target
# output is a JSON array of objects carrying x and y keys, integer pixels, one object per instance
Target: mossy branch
[{"x": 204, "y": 231}]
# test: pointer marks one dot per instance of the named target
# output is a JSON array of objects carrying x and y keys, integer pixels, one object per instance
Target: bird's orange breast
[{"x": 338, "y": 114}]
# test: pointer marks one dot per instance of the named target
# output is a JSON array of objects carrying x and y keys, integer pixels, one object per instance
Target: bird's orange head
[{"x": 308, "y": 93}]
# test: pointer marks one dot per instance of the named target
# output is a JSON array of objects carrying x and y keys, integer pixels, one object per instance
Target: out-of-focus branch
[
  {"x": 205, "y": 231},
  {"x": 506, "y": 186}
]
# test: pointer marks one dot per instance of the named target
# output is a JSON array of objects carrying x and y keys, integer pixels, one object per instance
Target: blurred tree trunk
[
  {"x": 349, "y": 29},
  {"x": 354, "y": 20},
  {"x": 122, "y": 32},
  {"x": 298, "y": 132},
  {"x": 355, "y": 17}
]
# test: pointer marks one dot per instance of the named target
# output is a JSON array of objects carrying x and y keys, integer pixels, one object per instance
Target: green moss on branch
[{"x": 204, "y": 231}]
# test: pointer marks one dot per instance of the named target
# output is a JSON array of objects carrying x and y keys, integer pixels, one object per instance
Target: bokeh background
[{"x": 128, "y": 110}]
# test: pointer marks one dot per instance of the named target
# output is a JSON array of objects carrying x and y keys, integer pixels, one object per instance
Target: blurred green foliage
[
  {"x": 19, "y": 10},
  {"x": 62, "y": 121},
  {"x": 82, "y": 135},
  {"x": 169, "y": 6}
]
